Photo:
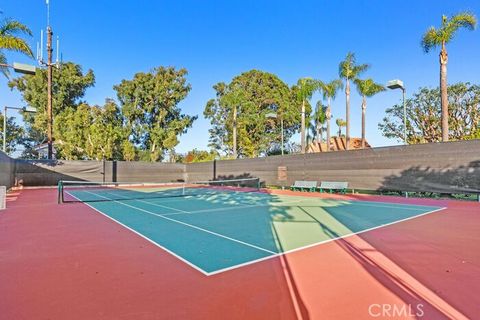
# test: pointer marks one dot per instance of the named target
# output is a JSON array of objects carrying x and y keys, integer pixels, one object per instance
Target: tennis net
[{"x": 87, "y": 191}]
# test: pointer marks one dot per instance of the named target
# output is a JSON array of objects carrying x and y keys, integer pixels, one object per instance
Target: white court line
[
  {"x": 320, "y": 243},
  {"x": 274, "y": 255},
  {"x": 359, "y": 203},
  {"x": 179, "y": 211},
  {"x": 146, "y": 238},
  {"x": 364, "y": 201},
  {"x": 234, "y": 208},
  {"x": 400, "y": 206},
  {"x": 143, "y": 201},
  {"x": 304, "y": 199},
  {"x": 188, "y": 225}
]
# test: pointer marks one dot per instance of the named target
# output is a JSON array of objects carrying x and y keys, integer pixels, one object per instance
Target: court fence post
[
  {"x": 60, "y": 192},
  {"x": 214, "y": 169}
]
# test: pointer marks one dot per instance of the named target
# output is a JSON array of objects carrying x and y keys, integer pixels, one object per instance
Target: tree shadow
[
  {"x": 461, "y": 179},
  {"x": 385, "y": 277}
]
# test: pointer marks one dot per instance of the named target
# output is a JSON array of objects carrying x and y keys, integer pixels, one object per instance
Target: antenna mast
[
  {"x": 49, "y": 83},
  {"x": 49, "y": 64}
]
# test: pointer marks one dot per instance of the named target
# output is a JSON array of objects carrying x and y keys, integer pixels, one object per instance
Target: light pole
[
  {"x": 19, "y": 68},
  {"x": 398, "y": 84},
  {"x": 25, "y": 109},
  {"x": 274, "y": 116}
]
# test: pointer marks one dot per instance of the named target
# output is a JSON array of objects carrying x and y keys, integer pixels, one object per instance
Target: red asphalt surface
[{"x": 70, "y": 262}]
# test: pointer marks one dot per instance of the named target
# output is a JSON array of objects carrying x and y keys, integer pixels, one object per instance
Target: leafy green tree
[
  {"x": 366, "y": 88},
  {"x": 92, "y": 132},
  {"x": 330, "y": 90},
  {"x": 71, "y": 132},
  {"x": 350, "y": 70},
  {"x": 221, "y": 113},
  {"x": 249, "y": 97},
  {"x": 474, "y": 135},
  {"x": 234, "y": 98},
  {"x": 15, "y": 134},
  {"x": 107, "y": 139},
  {"x": 424, "y": 116},
  {"x": 200, "y": 156},
  {"x": 69, "y": 87},
  {"x": 128, "y": 150},
  {"x": 10, "y": 40},
  {"x": 439, "y": 38},
  {"x": 149, "y": 103},
  {"x": 306, "y": 87},
  {"x": 340, "y": 123}
]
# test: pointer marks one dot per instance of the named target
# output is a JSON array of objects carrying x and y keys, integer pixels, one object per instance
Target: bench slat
[
  {"x": 300, "y": 184},
  {"x": 334, "y": 185}
]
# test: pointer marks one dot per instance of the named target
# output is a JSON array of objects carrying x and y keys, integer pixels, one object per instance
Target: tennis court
[
  {"x": 215, "y": 227},
  {"x": 212, "y": 250}
]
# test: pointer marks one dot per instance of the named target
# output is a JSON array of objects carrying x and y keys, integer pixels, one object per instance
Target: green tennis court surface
[{"x": 214, "y": 231}]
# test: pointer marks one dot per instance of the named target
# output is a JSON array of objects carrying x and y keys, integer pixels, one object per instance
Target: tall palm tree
[
  {"x": 366, "y": 88},
  {"x": 311, "y": 133},
  {"x": 440, "y": 37},
  {"x": 330, "y": 90},
  {"x": 349, "y": 70},
  {"x": 319, "y": 119},
  {"x": 306, "y": 88},
  {"x": 9, "y": 40},
  {"x": 340, "y": 123}
]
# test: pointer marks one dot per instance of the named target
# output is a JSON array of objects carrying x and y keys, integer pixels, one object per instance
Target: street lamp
[
  {"x": 24, "y": 109},
  {"x": 274, "y": 116},
  {"x": 398, "y": 84},
  {"x": 20, "y": 68}
]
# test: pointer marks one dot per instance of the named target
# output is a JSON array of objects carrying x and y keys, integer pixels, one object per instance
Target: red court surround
[{"x": 69, "y": 262}]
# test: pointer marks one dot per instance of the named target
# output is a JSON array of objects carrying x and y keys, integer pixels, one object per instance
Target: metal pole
[
  {"x": 281, "y": 124},
  {"x": 234, "y": 133},
  {"x": 49, "y": 94},
  {"x": 302, "y": 130},
  {"x": 5, "y": 129},
  {"x": 404, "y": 118}
]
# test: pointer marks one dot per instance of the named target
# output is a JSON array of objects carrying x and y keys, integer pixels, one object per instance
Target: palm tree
[
  {"x": 306, "y": 88},
  {"x": 349, "y": 70},
  {"x": 440, "y": 37},
  {"x": 340, "y": 123},
  {"x": 366, "y": 88},
  {"x": 319, "y": 119},
  {"x": 330, "y": 90},
  {"x": 311, "y": 133},
  {"x": 9, "y": 40}
]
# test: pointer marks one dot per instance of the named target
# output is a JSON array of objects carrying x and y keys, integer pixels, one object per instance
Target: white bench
[
  {"x": 304, "y": 185},
  {"x": 334, "y": 185}
]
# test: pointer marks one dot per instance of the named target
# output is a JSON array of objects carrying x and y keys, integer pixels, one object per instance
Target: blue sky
[{"x": 216, "y": 40}]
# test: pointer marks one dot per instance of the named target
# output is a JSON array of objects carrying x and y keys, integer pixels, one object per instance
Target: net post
[
  {"x": 60, "y": 192},
  {"x": 3, "y": 197},
  {"x": 258, "y": 183}
]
